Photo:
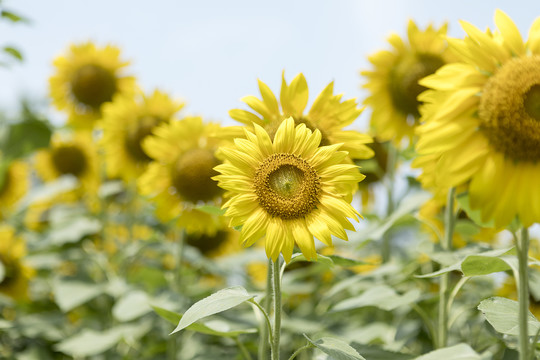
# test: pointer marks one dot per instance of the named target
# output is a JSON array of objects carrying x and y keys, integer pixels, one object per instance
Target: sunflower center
[
  {"x": 192, "y": 175},
  {"x": 69, "y": 159},
  {"x": 206, "y": 243},
  {"x": 509, "y": 109},
  {"x": 11, "y": 271},
  {"x": 93, "y": 85},
  {"x": 5, "y": 180},
  {"x": 404, "y": 77},
  {"x": 287, "y": 186},
  {"x": 136, "y": 134}
]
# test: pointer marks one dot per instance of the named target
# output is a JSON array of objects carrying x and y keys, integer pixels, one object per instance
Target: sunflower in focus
[
  {"x": 127, "y": 121},
  {"x": 180, "y": 178},
  {"x": 14, "y": 184},
  {"x": 87, "y": 77},
  {"x": 14, "y": 283},
  {"x": 328, "y": 114},
  {"x": 393, "y": 81},
  {"x": 70, "y": 154},
  {"x": 288, "y": 189},
  {"x": 481, "y": 122}
]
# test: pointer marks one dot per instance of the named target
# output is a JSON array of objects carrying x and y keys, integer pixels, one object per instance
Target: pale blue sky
[{"x": 210, "y": 53}]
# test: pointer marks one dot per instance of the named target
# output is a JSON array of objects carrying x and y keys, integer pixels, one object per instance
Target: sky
[{"x": 211, "y": 53}]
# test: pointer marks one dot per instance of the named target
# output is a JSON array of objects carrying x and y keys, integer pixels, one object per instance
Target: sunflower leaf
[
  {"x": 456, "y": 352},
  {"x": 212, "y": 210},
  {"x": 335, "y": 348},
  {"x": 502, "y": 314}
]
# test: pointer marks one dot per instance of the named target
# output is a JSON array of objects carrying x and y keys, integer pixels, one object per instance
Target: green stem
[
  {"x": 277, "y": 308},
  {"x": 523, "y": 293},
  {"x": 268, "y": 326},
  {"x": 446, "y": 244},
  {"x": 265, "y": 330},
  {"x": 390, "y": 170},
  {"x": 243, "y": 349},
  {"x": 180, "y": 236},
  {"x": 305, "y": 347}
]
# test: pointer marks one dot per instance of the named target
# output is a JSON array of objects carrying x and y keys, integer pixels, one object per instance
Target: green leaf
[
  {"x": 346, "y": 262},
  {"x": 131, "y": 306},
  {"x": 456, "y": 352},
  {"x": 337, "y": 349},
  {"x": 170, "y": 316},
  {"x": 4, "y": 324},
  {"x": 73, "y": 230},
  {"x": 25, "y": 137},
  {"x": 467, "y": 228},
  {"x": 380, "y": 296},
  {"x": 220, "y": 301},
  {"x": 320, "y": 259},
  {"x": 502, "y": 314},
  {"x": 13, "y": 52},
  {"x": 68, "y": 294},
  {"x": 373, "y": 352},
  {"x": 11, "y": 16},
  {"x": 212, "y": 210},
  {"x": 474, "y": 215}
]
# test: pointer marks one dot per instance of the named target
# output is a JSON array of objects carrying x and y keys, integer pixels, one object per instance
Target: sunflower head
[
  {"x": 223, "y": 242},
  {"x": 394, "y": 81},
  {"x": 16, "y": 273},
  {"x": 329, "y": 114},
  {"x": 288, "y": 190},
  {"x": 86, "y": 78},
  {"x": 14, "y": 184}
]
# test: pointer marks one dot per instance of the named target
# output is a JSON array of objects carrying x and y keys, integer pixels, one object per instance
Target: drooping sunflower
[
  {"x": 328, "y": 114},
  {"x": 481, "y": 122},
  {"x": 13, "y": 186},
  {"x": 87, "y": 77},
  {"x": 288, "y": 190},
  {"x": 70, "y": 154},
  {"x": 127, "y": 121},
  {"x": 16, "y": 273},
  {"x": 180, "y": 178},
  {"x": 393, "y": 81}
]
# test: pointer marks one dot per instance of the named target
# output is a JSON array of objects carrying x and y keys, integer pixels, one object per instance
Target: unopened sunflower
[
  {"x": 16, "y": 274},
  {"x": 288, "y": 189},
  {"x": 13, "y": 185},
  {"x": 328, "y": 114},
  {"x": 393, "y": 82},
  {"x": 180, "y": 178},
  {"x": 482, "y": 122},
  {"x": 87, "y": 77},
  {"x": 127, "y": 121}
]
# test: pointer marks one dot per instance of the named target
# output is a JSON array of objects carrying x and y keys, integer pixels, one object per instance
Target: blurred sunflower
[
  {"x": 73, "y": 154},
  {"x": 14, "y": 184},
  {"x": 223, "y": 242},
  {"x": 180, "y": 178},
  {"x": 87, "y": 77},
  {"x": 393, "y": 82},
  {"x": 328, "y": 114},
  {"x": 288, "y": 190},
  {"x": 127, "y": 121},
  {"x": 16, "y": 274},
  {"x": 482, "y": 122}
]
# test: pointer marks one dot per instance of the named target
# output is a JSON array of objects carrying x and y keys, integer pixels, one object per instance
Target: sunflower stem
[
  {"x": 523, "y": 293},
  {"x": 180, "y": 236},
  {"x": 277, "y": 308},
  {"x": 446, "y": 244},
  {"x": 386, "y": 247},
  {"x": 263, "y": 340}
]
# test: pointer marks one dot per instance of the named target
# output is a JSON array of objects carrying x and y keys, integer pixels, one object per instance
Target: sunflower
[
  {"x": 70, "y": 154},
  {"x": 16, "y": 274},
  {"x": 86, "y": 78},
  {"x": 328, "y": 114},
  {"x": 482, "y": 122},
  {"x": 180, "y": 178},
  {"x": 127, "y": 121},
  {"x": 14, "y": 183},
  {"x": 393, "y": 82},
  {"x": 288, "y": 190},
  {"x": 223, "y": 242}
]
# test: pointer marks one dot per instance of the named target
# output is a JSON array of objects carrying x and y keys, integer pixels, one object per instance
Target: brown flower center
[
  {"x": 192, "y": 175},
  {"x": 137, "y": 133},
  {"x": 5, "y": 180},
  {"x": 69, "y": 159},
  {"x": 11, "y": 270},
  {"x": 206, "y": 243},
  {"x": 287, "y": 186},
  {"x": 404, "y": 77},
  {"x": 93, "y": 85},
  {"x": 509, "y": 109}
]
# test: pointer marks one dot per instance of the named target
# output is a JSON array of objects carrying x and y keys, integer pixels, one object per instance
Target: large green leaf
[
  {"x": 25, "y": 137},
  {"x": 131, "y": 306},
  {"x": 68, "y": 294},
  {"x": 502, "y": 314},
  {"x": 373, "y": 352},
  {"x": 456, "y": 352},
  {"x": 335, "y": 348},
  {"x": 474, "y": 215},
  {"x": 73, "y": 230},
  {"x": 213, "y": 304},
  {"x": 380, "y": 296}
]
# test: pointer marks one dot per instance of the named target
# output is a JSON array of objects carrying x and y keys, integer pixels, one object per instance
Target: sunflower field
[{"x": 132, "y": 228}]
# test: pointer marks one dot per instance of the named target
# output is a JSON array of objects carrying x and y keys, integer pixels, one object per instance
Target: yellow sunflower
[
  {"x": 87, "y": 77},
  {"x": 393, "y": 82},
  {"x": 127, "y": 121},
  {"x": 328, "y": 114},
  {"x": 180, "y": 178},
  {"x": 288, "y": 190},
  {"x": 481, "y": 122},
  {"x": 70, "y": 154},
  {"x": 221, "y": 243},
  {"x": 13, "y": 186},
  {"x": 16, "y": 274}
]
